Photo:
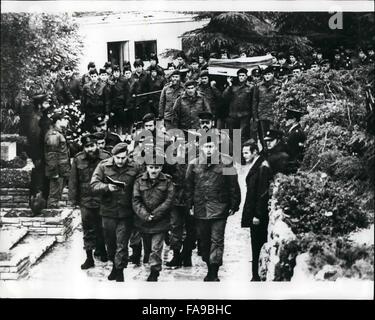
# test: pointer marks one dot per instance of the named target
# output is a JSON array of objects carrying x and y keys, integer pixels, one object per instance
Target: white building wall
[{"x": 97, "y": 34}]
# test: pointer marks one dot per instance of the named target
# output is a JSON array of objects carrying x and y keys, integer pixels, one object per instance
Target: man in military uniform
[
  {"x": 239, "y": 97},
  {"x": 111, "y": 139},
  {"x": 337, "y": 62},
  {"x": 213, "y": 192},
  {"x": 156, "y": 83},
  {"x": 72, "y": 83},
  {"x": 60, "y": 92},
  {"x": 194, "y": 70},
  {"x": 113, "y": 179},
  {"x": 188, "y": 106},
  {"x": 153, "y": 197},
  {"x": 57, "y": 159},
  {"x": 168, "y": 97},
  {"x": 276, "y": 151},
  {"x": 86, "y": 78},
  {"x": 295, "y": 137},
  {"x": 80, "y": 193},
  {"x": 255, "y": 209}
]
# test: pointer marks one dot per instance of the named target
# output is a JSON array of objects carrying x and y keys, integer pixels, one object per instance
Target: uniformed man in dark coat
[
  {"x": 60, "y": 91},
  {"x": 153, "y": 197},
  {"x": 111, "y": 139},
  {"x": 72, "y": 83},
  {"x": 239, "y": 97},
  {"x": 113, "y": 179},
  {"x": 276, "y": 151},
  {"x": 80, "y": 194},
  {"x": 156, "y": 83},
  {"x": 255, "y": 210},
  {"x": 86, "y": 78},
  {"x": 57, "y": 160},
  {"x": 213, "y": 192},
  {"x": 295, "y": 136}
]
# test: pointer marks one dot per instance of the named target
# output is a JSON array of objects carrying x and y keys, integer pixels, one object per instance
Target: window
[
  {"x": 143, "y": 49},
  {"x": 118, "y": 52}
]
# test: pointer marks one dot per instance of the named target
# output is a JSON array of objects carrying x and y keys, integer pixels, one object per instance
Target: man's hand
[
  {"x": 256, "y": 221},
  {"x": 113, "y": 188}
]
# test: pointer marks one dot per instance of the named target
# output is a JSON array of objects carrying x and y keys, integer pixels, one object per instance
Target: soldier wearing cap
[
  {"x": 168, "y": 97},
  {"x": 239, "y": 98},
  {"x": 95, "y": 99},
  {"x": 263, "y": 99},
  {"x": 153, "y": 196},
  {"x": 188, "y": 106},
  {"x": 211, "y": 93},
  {"x": 314, "y": 67},
  {"x": 111, "y": 139},
  {"x": 57, "y": 159},
  {"x": 277, "y": 155},
  {"x": 80, "y": 194},
  {"x": 295, "y": 136},
  {"x": 256, "y": 75},
  {"x": 297, "y": 70},
  {"x": 113, "y": 179},
  {"x": 213, "y": 193}
]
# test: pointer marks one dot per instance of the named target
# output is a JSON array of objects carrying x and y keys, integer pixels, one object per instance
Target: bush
[{"x": 17, "y": 162}]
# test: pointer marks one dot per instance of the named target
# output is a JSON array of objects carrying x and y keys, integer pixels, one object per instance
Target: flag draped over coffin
[{"x": 229, "y": 67}]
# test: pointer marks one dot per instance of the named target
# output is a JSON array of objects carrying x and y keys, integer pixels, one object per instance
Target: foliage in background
[{"x": 31, "y": 44}]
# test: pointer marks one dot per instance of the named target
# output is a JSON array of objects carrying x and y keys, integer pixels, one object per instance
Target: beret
[
  {"x": 190, "y": 83},
  {"x": 88, "y": 139},
  {"x": 99, "y": 135},
  {"x": 176, "y": 73},
  {"x": 120, "y": 147},
  {"x": 101, "y": 71},
  {"x": 205, "y": 115}
]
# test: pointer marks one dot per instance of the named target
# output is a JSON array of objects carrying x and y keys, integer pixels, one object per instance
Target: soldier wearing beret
[
  {"x": 111, "y": 139},
  {"x": 113, "y": 180},
  {"x": 57, "y": 161},
  {"x": 153, "y": 197},
  {"x": 168, "y": 97},
  {"x": 212, "y": 94},
  {"x": 80, "y": 194},
  {"x": 239, "y": 98}
]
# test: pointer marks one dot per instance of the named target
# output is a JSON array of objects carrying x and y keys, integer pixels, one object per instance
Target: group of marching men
[{"x": 127, "y": 201}]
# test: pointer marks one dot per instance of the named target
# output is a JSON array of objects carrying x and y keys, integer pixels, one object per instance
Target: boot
[
  {"x": 146, "y": 258},
  {"x": 119, "y": 275},
  {"x": 186, "y": 258},
  {"x": 176, "y": 260},
  {"x": 89, "y": 263},
  {"x": 136, "y": 256},
  {"x": 104, "y": 257},
  {"x": 215, "y": 270},
  {"x": 153, "y": 275},
  {"x": 112, "y": 275},
  {"x": 208, "y": 277}
]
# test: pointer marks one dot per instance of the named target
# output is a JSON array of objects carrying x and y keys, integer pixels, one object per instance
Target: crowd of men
[{"x": 125, "y": 202}]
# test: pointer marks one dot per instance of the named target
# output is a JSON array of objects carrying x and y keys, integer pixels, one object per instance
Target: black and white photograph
[{"x": 187, "y": 150}]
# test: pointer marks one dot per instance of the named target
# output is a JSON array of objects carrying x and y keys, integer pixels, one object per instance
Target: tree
[{"x": 31, "y": 44}]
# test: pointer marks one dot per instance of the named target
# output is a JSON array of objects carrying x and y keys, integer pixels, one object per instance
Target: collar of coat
[
  {"x": 111, "y": 163},
  {"x": 259, "y": 162},
  {"x": 161, "y": 176}
]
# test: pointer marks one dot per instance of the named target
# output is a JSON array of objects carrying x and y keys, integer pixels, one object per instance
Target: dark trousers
[
  {"x": 117, "y": 232},
  {"x": 258, "y": 236},
  {"x": 180, "y": 219},
  {"x": 56, "y": 186},
  {"x": 153, "y": 243},
  {"x": 93, "y": 237},
  {"x": 135, "y": 242},
  {"x": 242, "y": 123},
  {"x": 263, "y": 127},
  {"x": 211, "y": 239}
]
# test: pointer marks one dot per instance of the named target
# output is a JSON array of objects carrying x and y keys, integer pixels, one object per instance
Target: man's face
[
  {"x": 296, "y": 72},
  {"x": 116, "y": 74},
  {"x": 242, "y": 77},
  {"x": 205, "y": 124},
  {"x": 292, "y": 59},
  {"x": 319, "y": 56},
  {"x": 101, "y": 144},
  {"x": 201, "y": 60},
  {"x": 371, "y": 52},
  {"x": 326, "y": 67},
  {"x": 109, "y": 70},
  {"x": 315, "y": 67},
  {"x": 175, "y": 79},
  {"x": 256, "y": 78},
  {"x": 94, "y": 77},
  {"x": 120, "y": 159},
  {"x": 139, "y": 69},
  {"x": 101, "y": 127},
  {"x": 150, "y": 125},
  {"x": 208, "y": 149},
  {"x": 204, "y": 80},
  {"x": 314, "y": 54},
  {"x": 224, "y": 56},
  {"x": 337, "y": 56},
  {"x": 180, "y": 60},
  {"x": 68, "y": 73},
  {"x": 195, "y": 65},
  {"x": 128, "y": 74},
  {"x": 243, "y": 55},
  {"x": 190, "y": 90},
  {"x": 268, "y": 76},
  {"x": 247, "y": 154},
  {"x": 154, "y": 170},
  {"x": 103, "y": 77},
  {"x": 271, "y": 143},
  {"x": 282, "y": 60},
  {"x": 91, "y": 148}
]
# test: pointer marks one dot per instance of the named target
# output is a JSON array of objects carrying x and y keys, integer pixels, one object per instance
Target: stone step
[
  {"x": 34, "y": 246},
  {"x": 9, "y": 237}
]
